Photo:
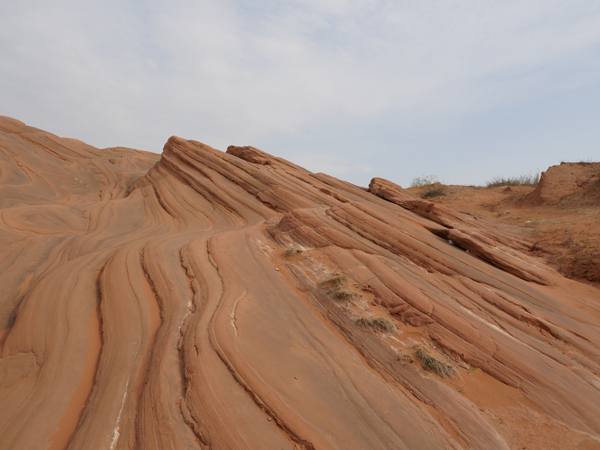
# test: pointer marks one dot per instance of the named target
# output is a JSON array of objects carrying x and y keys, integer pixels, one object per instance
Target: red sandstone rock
[{"x": 202, "y": 299}]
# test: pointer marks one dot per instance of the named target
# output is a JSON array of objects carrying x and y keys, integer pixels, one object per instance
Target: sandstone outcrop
[{"x": 200, "y": 299}]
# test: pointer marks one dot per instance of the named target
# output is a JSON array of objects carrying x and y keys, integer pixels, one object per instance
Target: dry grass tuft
[
  {"x": 437, "y": 366},
  {"x": 378, "y": 324},
  {"x": 337, "y": 281},
  {"x": 341, "y": 294},
  {"x": 383, "y": 324},
  {"x": 582, "y": 161},
  {"x": 335, "y": 287},
  {"x": 363, "y": 322},
  {"x": 522, "y": 180},
  {"x": 292, "y": 252},
  {"x": 405, "y": 359}
]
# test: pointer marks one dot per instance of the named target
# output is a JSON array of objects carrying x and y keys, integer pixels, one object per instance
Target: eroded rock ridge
[{"x": 200, "y": 299}]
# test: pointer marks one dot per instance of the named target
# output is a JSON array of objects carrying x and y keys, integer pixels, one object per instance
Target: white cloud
[{"x": 131, "y": 73}]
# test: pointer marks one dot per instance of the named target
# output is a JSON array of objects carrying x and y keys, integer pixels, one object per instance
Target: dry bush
[
  {"x": 522, "y": 180},
  {"x": 425, "y": 180},
  {"x": 434, "y": 190}
]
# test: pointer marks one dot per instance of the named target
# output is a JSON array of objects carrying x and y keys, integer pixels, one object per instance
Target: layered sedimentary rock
[{"x": 200, "y": 299}]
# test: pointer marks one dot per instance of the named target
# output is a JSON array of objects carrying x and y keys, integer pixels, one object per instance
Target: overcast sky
[{"x": 465, "y": 90}]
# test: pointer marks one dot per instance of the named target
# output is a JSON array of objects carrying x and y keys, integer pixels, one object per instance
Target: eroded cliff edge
[{"x": 201, "y": 299}]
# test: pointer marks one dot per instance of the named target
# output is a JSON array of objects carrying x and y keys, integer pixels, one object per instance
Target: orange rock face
[{"x": 200, "y": 299}]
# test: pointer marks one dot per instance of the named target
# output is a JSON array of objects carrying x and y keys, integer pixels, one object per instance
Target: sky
[{"x": 462, "y": 90}]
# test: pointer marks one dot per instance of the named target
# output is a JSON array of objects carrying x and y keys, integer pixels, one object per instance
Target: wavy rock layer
[{"x": 202, "y": 299}]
